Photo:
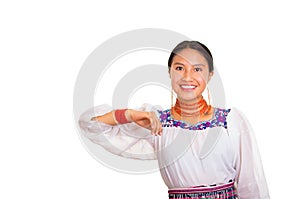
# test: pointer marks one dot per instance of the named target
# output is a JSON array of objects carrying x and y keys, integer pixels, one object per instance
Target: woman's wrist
[
  {"x": 121, "y": 116},
  {"x": 114, "y": 117},
  {"x": 128, "y": 113}
]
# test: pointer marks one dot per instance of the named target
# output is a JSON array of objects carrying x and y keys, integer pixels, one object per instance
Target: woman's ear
[{"x": 210, "y": 75}]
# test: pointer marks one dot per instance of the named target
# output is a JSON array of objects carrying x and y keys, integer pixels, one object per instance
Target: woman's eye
[
  {"x": 179, "y": 68},
  {"x": 198, "y": 69}
]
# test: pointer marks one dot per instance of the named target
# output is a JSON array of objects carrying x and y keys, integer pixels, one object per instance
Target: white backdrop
[{"x": 43, "y": 46}]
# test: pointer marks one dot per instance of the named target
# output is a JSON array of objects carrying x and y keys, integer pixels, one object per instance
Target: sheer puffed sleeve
[
  {"x": 251, "y": 182},
  {"x": 126, "y": 140}
]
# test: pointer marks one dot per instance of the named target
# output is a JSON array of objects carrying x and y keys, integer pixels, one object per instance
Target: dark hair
[{"x": 195, "y": 45}]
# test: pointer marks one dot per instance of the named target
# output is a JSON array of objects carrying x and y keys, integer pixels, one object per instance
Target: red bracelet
[{"x": 120, "y": 116}]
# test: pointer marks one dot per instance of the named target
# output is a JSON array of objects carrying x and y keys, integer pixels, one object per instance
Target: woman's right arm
[
  {"x": 132, "y": 139},
  {"x": 145, "y": 119},
  {"x": 107, "y": 118}
]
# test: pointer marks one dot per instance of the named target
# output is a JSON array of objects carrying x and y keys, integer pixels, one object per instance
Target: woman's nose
[{"x": 187, "y": 76}]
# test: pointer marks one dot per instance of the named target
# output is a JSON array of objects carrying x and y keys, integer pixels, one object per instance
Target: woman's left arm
[{"x": 251, "y": 182}]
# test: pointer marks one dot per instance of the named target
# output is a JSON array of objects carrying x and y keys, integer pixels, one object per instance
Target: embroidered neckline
[{"x": 218, "y": 119}]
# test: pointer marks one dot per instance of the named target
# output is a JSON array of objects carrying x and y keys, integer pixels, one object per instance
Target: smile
[{"x": 188, "y": 87}]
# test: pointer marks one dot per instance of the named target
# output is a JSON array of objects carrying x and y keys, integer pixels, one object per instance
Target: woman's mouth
[{"x": 187, "y": 87}]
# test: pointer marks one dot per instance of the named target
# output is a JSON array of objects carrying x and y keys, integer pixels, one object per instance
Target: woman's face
[{"x": 189, "y": 74}]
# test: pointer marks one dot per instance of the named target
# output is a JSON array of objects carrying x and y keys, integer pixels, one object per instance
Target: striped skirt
[{"x": 227, "y": 191}]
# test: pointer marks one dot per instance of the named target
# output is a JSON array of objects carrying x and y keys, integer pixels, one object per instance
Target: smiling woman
[
  {"x": 203, "y": 151},
  {"x": 190, "y": 72}
]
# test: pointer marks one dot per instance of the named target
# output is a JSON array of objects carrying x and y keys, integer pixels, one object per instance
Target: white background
[{"x": 43, "y": 46}]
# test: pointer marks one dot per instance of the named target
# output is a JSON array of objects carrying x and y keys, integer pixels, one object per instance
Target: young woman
[{"x": 202, "y": 151}]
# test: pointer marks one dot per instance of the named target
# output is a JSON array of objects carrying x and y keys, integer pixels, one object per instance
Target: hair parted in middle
[{"x": 195, "y": 45}]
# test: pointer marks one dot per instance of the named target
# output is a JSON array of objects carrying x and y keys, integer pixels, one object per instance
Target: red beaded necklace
[{"x": 191, "y": 110}]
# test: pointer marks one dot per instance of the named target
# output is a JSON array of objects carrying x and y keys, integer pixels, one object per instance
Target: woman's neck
[
  {"x": 192, "y": 112},
  {"x": 190, "y": 102},
  {"x": 191, "y": 108}
]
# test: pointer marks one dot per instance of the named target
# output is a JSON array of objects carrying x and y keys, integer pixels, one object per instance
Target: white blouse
[{"x": 210, "y": 152}]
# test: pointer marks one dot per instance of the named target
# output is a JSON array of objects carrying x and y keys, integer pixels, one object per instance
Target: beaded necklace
[{"x": 191, "y": 110}]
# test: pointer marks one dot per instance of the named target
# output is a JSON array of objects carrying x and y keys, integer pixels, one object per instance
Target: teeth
[{"x": 187, "y": 87}]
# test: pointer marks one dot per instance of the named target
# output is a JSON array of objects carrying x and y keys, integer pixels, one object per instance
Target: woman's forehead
[{"x": 189, "y": 56}]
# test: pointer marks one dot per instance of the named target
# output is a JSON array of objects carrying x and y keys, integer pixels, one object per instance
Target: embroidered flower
[
  {"x": 207, "y": 124},
  {"x": 163, "y": 116},
  {"x": 182, "y": 125},
  {"x": 221, "y": 119}
]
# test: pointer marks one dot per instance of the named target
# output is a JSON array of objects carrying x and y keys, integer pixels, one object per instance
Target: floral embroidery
[{"x": 219, "y": 119}]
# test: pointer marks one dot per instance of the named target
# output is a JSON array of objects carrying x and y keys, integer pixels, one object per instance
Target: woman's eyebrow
[
  {"x": 199, "y": 65},
  {"x": 178, "y": 63}
]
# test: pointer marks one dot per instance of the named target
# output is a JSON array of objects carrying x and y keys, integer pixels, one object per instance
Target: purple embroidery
[
  {"x": 219, "y": 119},
  {"x": 163, "y": 116},
  {"x": 207, "y": 124}
]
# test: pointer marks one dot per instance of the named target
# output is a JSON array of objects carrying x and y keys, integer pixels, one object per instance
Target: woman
[{"x": 203, "y": 151}]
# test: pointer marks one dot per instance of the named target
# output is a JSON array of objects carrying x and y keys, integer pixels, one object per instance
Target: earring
[
  {"x": 208, "y": 95},
  {"x": 172, "y": 97}
]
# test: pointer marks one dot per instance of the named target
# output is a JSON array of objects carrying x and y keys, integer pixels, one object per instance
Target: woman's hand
[{"x": 147, "y": 120}]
